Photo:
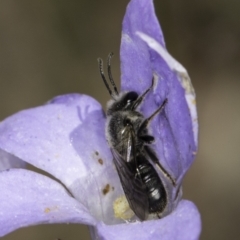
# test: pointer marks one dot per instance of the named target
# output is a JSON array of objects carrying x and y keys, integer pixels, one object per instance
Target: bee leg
[
  {"x": 148, "y": 120},
  {"x": 137, "y": 174},
  {"x": 141, "y": 98},
  {"x": 178, "y": 191},
  {"x": 147, "y": 139},
  {"x": 155, "y": 160}
]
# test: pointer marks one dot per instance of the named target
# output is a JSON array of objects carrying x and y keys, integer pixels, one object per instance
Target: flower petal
[
  {"x": 136, "y": 67},
  {"x": 175, "y": 129},
  {"x": 101, "y": 187},
  {"x": 41, "y": 135},
  {"x": 182, "y": 224},
  {"x": 8, "y": 161},
  {"x": 28, "y": 198},
  {"x": 183, "y": 79},
  {"x": 66, "y": 138}
]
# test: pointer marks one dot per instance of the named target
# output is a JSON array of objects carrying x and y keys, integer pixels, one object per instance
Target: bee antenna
[
  {"x": 110, "y": 73},
  {"x": 100, "y": 62}
]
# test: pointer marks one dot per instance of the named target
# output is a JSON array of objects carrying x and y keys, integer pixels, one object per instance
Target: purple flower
[{"x": 66, "y": 139}]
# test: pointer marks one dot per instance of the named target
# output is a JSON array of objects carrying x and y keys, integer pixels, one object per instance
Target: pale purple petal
[
  {"x": 176, "y": 143},
  {"x": 182, "y": 224},
  {"x": 185, "y": 82},
  {"x": 66, "y": 138},
  {"x": 136, "y": 69},
  {"x": 102, "y": 184},
  {"x": 41, "y": 135},
  {"x": 8, "y": 161},
  {"x": 28, "y": 198}
]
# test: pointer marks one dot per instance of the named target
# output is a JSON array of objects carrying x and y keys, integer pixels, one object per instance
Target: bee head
[{"x": 123, "y": 102}]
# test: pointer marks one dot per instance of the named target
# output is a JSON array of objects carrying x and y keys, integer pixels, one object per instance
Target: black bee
[{"x": 129, "y": 140}]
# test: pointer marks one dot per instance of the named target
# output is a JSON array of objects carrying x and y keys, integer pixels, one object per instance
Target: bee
[{"x": 130, "y": 143}]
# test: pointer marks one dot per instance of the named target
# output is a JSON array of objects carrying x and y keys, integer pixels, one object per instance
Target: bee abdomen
[{"x": 156, "y": 193}]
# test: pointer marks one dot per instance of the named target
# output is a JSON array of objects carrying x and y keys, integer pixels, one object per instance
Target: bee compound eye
[
  {"x": 127, "y": 121},
  {"x": 131, "y": 96},
  {"x": 129, "y": 100}
]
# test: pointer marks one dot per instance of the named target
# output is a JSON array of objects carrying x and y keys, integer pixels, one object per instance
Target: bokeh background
[{"x": 48, "y": 48}]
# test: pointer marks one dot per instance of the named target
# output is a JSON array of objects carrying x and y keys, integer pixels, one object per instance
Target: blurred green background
[{"x": 48, "y": 48}]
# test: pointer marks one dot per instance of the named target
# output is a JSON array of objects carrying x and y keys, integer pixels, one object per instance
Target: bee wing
[
  {"x": 133, "y": 187},
  {"x": 127, "y": 149}
]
